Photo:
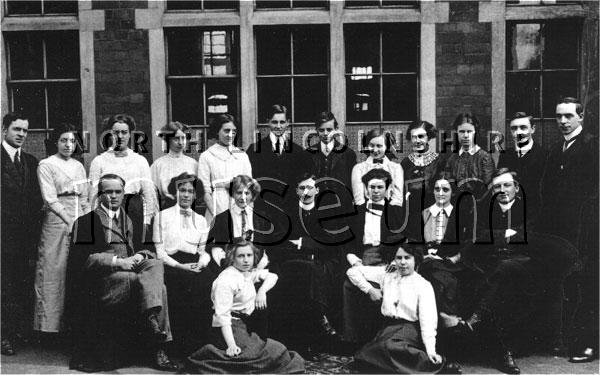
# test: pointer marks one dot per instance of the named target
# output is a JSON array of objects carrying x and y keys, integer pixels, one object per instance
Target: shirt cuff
[{"x": 113, "y": 264}]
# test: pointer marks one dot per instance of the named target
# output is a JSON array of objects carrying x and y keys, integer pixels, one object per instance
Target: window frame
[{"x": 42, "y": 13}]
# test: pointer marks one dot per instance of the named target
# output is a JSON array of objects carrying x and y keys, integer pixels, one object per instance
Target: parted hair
[
  {"x": 232, "y": 248},
  {"x": 570, "y": 99},
  {"x": 182, "y": 179},
  {"x": 60, "y": 129},
  {"x": 244, "y": 181},
  {"x": 427, "y": 126},
  {"x": 109, "y": 176},
  {"x": 379, "y": 174},
  {"x": 466, "y": 118},
  {"x": 276, "y": 109},
  {"x": 11, "y": 117},
  {"x": 121, "y": 117},
  {"x": 217, "y": 123}
]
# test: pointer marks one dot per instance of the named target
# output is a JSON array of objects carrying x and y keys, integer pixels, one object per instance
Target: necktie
[
  {"x": 566, "y": 144},
  {"x": 439, "y": 226},
  {"x": 186, "y": 214},
  {"x": 327, "y": 150},
  {"x": 377, "y": 161},
  {"x": 244, "y": 223},
  {"x": 278, "y": 146}
]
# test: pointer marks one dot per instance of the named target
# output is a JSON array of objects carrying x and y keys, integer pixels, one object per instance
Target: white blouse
[
  {"x": 395, "y": 190},
  {"x": 234, "y": 291},
  {"x": 166, "y": 167},
  {"x": 58, "y": 177}
]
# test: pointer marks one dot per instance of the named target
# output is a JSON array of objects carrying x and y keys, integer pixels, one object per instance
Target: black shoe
[
  {"x": 154, "y": 329},
  {"x": 508, "y": 364},
  {"x": 586, "y": 355},
  {"x": 326, "y": 327},
  {"x": 7, "y": 348},
  {"x": 473, "y": 321},
  {"x": 451, "y": 368},
  {"x": 163, "y": 363}
]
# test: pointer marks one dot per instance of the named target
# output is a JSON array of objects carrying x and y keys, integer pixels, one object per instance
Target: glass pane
[
  {"x": 261, "y": 4},
  {"x": 523, "y": 93},
  {"x": 310, "y": 98},
  {"x": 221, "y": 97},
  {"x": 221, "y": 4},
  {"x": 362, "y": 3},
  {"x": 362, "y": 99},
  {"x": 550, "y": 133},
  {"x": 311, "y": 50},
  {"x": 561, "y": 45},
  {"x": 218, "y": 53},
  {"x": 555, "y": 86},
  {"x": 362, "y": 49},
  {"x": 399, "y": 98},
  {"x": 23, "y": 7},
  {"x": 183, "y": 4},
  {"x": 272, "y": 91},
  {"x": 185, "y": 51},
  {"x": 400, "y": 3},
  {"x": 25, "y": 51},
  {"x": 64, "y": 104},
  {"x": 62, "y": 7},
  {"x": 524, "y": 45},
  {"x": 401, "y": 48},
  {"x": 309, "y": 3},
  {"x": 186, "y": 102},
  {"x": 62, "y": 54},
  {"x": 273, "y": 51},
  {"x": 29, "y": 100}
]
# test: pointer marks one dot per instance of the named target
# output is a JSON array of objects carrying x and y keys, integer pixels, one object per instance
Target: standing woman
[
  {"x": 166, "y": 167},
  {"x": 140, "y": 201},
  {"x": 421, "y": 168},
  {"x": 234, "y": 346},
  {"x": 380, "y": 144},
  {"x": 219, "y": 164},
  {"x": 64, "y": 185}
]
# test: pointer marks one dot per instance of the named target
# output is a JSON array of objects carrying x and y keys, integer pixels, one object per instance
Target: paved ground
[{"x": 34, "y": 360}]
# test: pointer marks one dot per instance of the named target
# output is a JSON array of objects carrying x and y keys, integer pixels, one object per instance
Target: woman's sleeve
[
  {"x": 155, "y": 176},
  {"x": 427, "y": 311},
  {"x": 204, "y": 173},
  {"x": 48, "y": 188},
  {"x": 95, "y": 173},
  {"x": 148, "y": 191},
  {"x": 487, "y": 168},
  {"x": 247, "y": 165},
  {"x": 397, "y": 184},
  {"x": 358, "y": 189},
  {"x": 159, "y": 241},
  {"x": 223, "y": 302},
  {"x": 84, "y": 185}
]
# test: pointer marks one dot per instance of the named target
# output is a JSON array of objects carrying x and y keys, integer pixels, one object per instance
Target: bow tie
[
  {"x": 377, "y": 161},
  {"x": 185, "y": 212},
  {"x": 375, "y": 206}
]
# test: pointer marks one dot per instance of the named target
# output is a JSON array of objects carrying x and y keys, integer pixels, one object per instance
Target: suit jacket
[
  {"x": 458, "y": 231},
  {"x": 492, "y": 224},
  {"x": 337, "y": 166}
]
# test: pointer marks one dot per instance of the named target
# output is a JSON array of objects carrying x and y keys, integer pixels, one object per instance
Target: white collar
[
  {"x": 435, "y": 209},
  {"x": 273, "y": 138},
  {"x": 385, "y": 160},
  {"x": 306, "y": 207},
  {"x": 238, "y": 211},
  {"x": 506, "y": 206},
  {"x": 178, "y": 209},
  {"x": 471, "y": 151},
  {"x": 329, "y": 145},
  {"x": 574, "y": 133},
  {"x": 523, "y": 150},
  {"x": 112, "y": 214},
  {"x": 10, "y": 150}
]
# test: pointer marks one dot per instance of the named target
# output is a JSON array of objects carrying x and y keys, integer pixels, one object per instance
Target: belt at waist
[{"x": 183, "y": 257}]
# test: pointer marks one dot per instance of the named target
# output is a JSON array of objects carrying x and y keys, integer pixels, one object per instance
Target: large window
[
  {"x": 290, "y": 4},
  {"x": 292, "y": 69},
  {"x": 43, "y": 76},
  {"x": 46, "y": 7},
  {"x": 203, "y": 74},
  {"x": 542, "y": 66},
  {"x": 381, "y": 3},
  {"x": 202, "y": 4}
]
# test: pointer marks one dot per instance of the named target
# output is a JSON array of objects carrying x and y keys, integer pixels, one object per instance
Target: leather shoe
[
  {"x": 508, "y": 364},
  {"x": 7, "y": 348},
  {"x": 154, "y": 329},
  {"x": 163, "y": 363},
  {"x": 451, "y": 368},
  {"x": 586, "y": 355},
  {"x": 327, "y": 328}
]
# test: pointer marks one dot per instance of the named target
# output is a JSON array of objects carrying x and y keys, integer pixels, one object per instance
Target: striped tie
[{"x": 439, "y": 226}]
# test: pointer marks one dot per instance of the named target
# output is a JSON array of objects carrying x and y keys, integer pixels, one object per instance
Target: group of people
[{"x": 402, "y": 263}]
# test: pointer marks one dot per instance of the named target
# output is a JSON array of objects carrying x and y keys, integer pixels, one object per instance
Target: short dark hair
[
  {"x": 245, "y": 181},
  {"x": 379, "y": 174},
  {"x": 182, "y": 179},
  {"x": 172, "y": 127},
  {"x": 232, "y": 248},
  {"x": 414, "y": 249},
  {"x": 324, "y": 117},
  {"x": 427, "y": 126},
  {"x": 60, "y": 129},
  {"x": 501, "y": 171},
  {"x": 217, "y": 122},
  {"x": 276, "y": 109},
  {"x": 305, "y": 176},
  {"x": 570, "y": 99},
  {"x": 109, "y": 176},
  {"x": 517, "y": 115},
  {"x": 466, "y": 118},
  {"x": 11, "y": 117},
  {"x": 121, "y": 117}
]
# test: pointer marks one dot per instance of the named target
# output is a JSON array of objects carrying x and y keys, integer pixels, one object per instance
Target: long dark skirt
[
  {"x": 397, "y": 348},
  {"x": 257, "y": 356}
]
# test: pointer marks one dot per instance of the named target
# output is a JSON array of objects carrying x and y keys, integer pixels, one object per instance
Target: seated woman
[
  {"x": 234, "y": 346},
  {"x": 180, "y": 237},
  {"x": 240, "y": 221},
  {"x": 406, "y": 343}
]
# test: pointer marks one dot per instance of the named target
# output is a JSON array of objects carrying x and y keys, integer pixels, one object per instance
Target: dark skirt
[
  {"x": 257, "y": 355},
  {"x": 445, "y": 278},
  {"x": 397, "y": 348}
]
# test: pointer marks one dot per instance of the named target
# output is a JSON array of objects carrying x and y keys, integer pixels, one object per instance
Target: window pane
[
  {"x": 29, "y": 99},
  {"x": 186, "y": 102},
  {"x": 310, "y": 98},
  {"x": 62, "y": 54},
  {"x": 64, "y": 103},
  {"x": 399, "y": 98},
  {"x": 556, "y": 86},
  {"x": 221, "y": 4},
  {"x": 523, "y": 93},
  {"x": 525, "y": 47},
  {"x": 362, "y": 49},
  {"x": 197, "y": 52},
  {"x": 400, "y": 3},
  {"x": 272, "y": 91},
  {"x": 311, "y": 50},
  {"x": 218, "y": 55},
  {"x": 25, "y": 51},
  {"x": 183, "y": 4},
  {"x": 561, "y": 44},
  {"x": 362, "y": 99},
  {"x": 362, "y": 3},
  {"x": 221, "y": 97},
  {"x": 401, "y": 48},
  {"x": 309, "y": 4},
  {"x": 23, "y": 7},
  {"x": 273, "y": 51},
  {"x": 550, "y": 132},
  {"x": 261, "y": 4},
  {"x": 60, "y": 7}
]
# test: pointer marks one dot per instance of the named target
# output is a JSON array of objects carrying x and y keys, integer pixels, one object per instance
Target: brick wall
[
  {"x": 122, "y": 69},
  {"x": 463, "y": 65}
]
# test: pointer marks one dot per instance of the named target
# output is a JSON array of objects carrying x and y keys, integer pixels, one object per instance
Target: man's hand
[
  {"x": 192, "y": 267},
  {"x": 261, "y": 300},
  {"x": 375, "y": 294},
  {"x": 455, "y": 259},
  {"x": 233, "y": 350},
  {"x": 435, "y": 358}
]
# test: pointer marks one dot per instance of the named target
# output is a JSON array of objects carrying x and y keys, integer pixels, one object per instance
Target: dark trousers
[{"x": 362, "y": 317}]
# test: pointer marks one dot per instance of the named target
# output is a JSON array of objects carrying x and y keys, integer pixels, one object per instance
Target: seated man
[{"x": 110, "y": 283}]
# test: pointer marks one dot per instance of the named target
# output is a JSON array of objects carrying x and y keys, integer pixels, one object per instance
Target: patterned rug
[{"x": 331, "y": 364}]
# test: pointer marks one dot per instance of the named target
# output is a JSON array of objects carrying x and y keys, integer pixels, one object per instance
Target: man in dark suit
[
  {"x": 527, "y": 159},
  {"x": 21, "y": 204},
  {"x": 276, "y": 163},
  {"x": 570, "y": 198},
  {"x": 107, "y": 278}
]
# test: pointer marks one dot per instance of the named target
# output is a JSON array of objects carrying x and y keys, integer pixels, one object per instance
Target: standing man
[
  {"x": 570, "y": 191},
  {"x": 21, "y": 204},
  {"x": 528, "y": 160}
]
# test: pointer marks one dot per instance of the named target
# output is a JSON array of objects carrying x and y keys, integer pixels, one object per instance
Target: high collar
[
  {"x": 472, "y": 151},
  {"x": 306, "y": 207},
  {"x": 273, "y": 138},
  {"x": 573, "y": 134},
  {"x": 112, "y": 214},
  {"x": 435, "y": 209},
  {"x": 525, "y": 149},
  {"x": 385, "y": 160},
  {"x": 10, "y": 150},
  {"x": 238, "y": 211},
  {"x": 506, "y": 206}
]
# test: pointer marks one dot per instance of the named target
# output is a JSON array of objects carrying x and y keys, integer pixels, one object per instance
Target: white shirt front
[
  {"x": 10, "y": 150},
  {"x": 574, "y": 133},
  {"x": 282, "y": 140},
  {"x": 236, "y": 217},
  {"x": 326, "y": 148},
  {"x": 372, "y": 229},
  {"x": 472, "y": 151},
  {"x": 521, "y": 151}
]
